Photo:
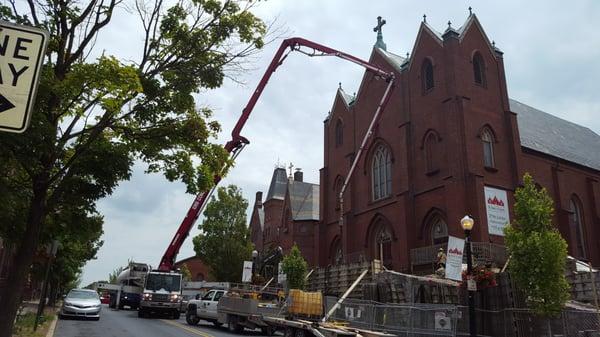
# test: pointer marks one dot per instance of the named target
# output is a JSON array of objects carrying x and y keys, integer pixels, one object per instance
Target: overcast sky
[{"x": 551, "y": 52}]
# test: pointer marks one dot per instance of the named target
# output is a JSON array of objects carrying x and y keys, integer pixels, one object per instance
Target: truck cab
[
  {"x": 161, "y": 294},
  {"x": 205, "y": 308}
]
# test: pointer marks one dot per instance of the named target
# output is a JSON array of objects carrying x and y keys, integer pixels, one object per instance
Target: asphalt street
[{"x": 125, "y": 323}]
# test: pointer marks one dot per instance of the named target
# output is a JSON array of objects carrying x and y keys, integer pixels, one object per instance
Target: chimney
[
  {"x": 298, "y": 175},
  {"x": 258, "y": 200}
]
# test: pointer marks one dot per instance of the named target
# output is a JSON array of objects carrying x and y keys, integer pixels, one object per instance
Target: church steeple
[{"x": 379, "y": 44}]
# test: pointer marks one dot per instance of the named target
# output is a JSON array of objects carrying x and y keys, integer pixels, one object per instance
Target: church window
[
  {"x": 339, "y": 133},
  {"x": 383, "y": 246},
  {"x": 381, "y": 172},
  {"x": 439, "y": 231},
  {"x": 337, "y": 254},
  {"x": 478, "y": 69},
  {"x": 576, "y": 222},
  {"x": 427, "y": 75},
  {"x": 431, "y": 153},
  {"x": 487, "y": 139}
]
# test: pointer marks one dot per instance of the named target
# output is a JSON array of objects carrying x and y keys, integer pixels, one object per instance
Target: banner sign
[
  {"x": 247, "y": 272},
  {"x": 496, "y": 206},
  {"x": 454, "y": 258},
  {"x": 281, "y": 277}
]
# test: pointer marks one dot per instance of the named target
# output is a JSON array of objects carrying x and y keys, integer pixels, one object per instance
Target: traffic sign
[{"x": 21, "y": 56}]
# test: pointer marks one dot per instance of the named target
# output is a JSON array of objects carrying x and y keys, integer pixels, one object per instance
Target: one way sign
[{"x": 21, "y": 56}]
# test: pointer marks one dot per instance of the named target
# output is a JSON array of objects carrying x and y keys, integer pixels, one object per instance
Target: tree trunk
[{"x": 17, "y": 274}]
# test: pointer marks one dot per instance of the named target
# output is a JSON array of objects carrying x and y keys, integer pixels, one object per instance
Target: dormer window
[
  {"x": 427, "y": 75},
  {"x": 478, "y": 69}
]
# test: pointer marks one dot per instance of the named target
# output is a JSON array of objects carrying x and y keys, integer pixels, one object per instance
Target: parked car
[{"x": 81, "y": 303}]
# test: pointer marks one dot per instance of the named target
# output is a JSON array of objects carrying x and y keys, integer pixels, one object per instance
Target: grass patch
[{"x": 24, "y": 325}]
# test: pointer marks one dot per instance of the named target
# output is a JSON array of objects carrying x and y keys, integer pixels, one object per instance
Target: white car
[
  {"x": 81, "y": 303},
  {"x": 205, "y": 308}
]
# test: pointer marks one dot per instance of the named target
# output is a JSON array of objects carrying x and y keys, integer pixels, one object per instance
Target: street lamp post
[
  {"x": 254, "y": 259},
  {"x": 467, "y": 224}
]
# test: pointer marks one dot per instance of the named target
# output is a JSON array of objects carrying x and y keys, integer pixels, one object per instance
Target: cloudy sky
[{"x": 551, "y": 52}]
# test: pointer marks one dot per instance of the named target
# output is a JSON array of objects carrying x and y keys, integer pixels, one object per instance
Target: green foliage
[
  {"x": 224, "y": 242},
  {"x": 112, "y": 277},
  {"x": 295, "y": 267},
  {"x": 538, "y": 252},
  {"x": 94, "y": 117},
  {"x": 186, "y": 273}
]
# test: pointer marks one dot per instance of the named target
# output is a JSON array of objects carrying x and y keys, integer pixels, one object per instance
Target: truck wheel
[
  {"x": 217, "y": 324},
  {"x": 141, "y": 313},
  {"x": 233, "y": 325},
  {"x": 289, "y": 332},
  {"x": 176, "y": 314},
  {"x": 191, "y": 318},
  {"x": 267, "y": 330}
]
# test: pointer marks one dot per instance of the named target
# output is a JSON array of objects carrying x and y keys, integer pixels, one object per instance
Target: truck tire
[
  {"x": 267, "y": 330},
  {"x": 233, "y": 326},
  {"x": 217, "y": 324},
  {"x": 176, "y": 314},
  {"x": 141, "y": 313},
  {"x": 191, "y": 318}
]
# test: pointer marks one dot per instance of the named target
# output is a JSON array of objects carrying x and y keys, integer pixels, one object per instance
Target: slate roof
[
  {"x": 278, "y": 185},
  {"x": 396, "y": 61},
  {"x": 304, "y": 199},
  {"x": 545, "y": 133}
]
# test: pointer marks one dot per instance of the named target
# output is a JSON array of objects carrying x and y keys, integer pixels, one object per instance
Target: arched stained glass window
[
  {"x": 381, "y": 172},
  {"x": 576, "y": 221},
  {"x": 487, "y": 139}
]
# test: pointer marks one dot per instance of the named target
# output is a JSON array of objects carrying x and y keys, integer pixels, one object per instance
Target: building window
[
  {"x": 430, "y": 153},
  {"x": 383, "y": 246},
  {"x": 337, "y": 254},
  {"x": 487, "y": 139},
  {"x": 339, "y": 133},
  {"x": 427, "y": 75},
  {"x": 478, "y": 69},
  {"x": 576, "y": 221},
  {"x": 382, "y": 173},
  {"x": 439, "y": 231}
]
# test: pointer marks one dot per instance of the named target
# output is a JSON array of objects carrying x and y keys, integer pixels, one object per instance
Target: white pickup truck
[{"x": 205, "y": 308}]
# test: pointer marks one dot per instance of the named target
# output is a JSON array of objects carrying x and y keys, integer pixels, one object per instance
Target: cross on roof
[
  {"x": 380, "y": 24},
  {"x": 379, "y": 43}
]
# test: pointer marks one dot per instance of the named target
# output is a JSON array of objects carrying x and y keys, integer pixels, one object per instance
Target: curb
[{"x": 50, "y": 332}]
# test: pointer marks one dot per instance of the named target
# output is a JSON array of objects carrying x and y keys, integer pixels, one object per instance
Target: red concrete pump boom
[{"x": 237, "y": 142}]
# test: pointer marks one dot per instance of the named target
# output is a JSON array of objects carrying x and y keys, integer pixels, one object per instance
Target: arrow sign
[
  {"x": 5, "y": 104},
  {"x": 21, "y": 55}
]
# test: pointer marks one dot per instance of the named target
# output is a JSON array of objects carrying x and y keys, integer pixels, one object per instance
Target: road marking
[{"x": 187, "y": 328}]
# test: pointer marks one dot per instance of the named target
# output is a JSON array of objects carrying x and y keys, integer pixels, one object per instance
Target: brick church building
[{"x": 450, "y": 142}]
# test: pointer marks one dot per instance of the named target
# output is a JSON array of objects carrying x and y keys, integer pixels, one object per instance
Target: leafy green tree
[
  {"x": 294, "y": 266},
  {"x": 94, "y": 117},
  {"x": 112, "y": 277},
  {"x": 186, "y": 273},
  {"x": 538, "y": 251},
  {"x": 224, "y": 243}
]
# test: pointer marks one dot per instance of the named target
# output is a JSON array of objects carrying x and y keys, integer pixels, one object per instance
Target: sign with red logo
[
  {"x": 496, "y": 205},
  {"x": 454, "y": 258}
]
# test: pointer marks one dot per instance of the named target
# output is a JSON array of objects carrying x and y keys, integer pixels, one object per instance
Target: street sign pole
[{"x": 22, "y": 50}]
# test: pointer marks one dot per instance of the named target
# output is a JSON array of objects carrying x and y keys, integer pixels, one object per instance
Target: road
[{"x": 125, "y": 323}]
